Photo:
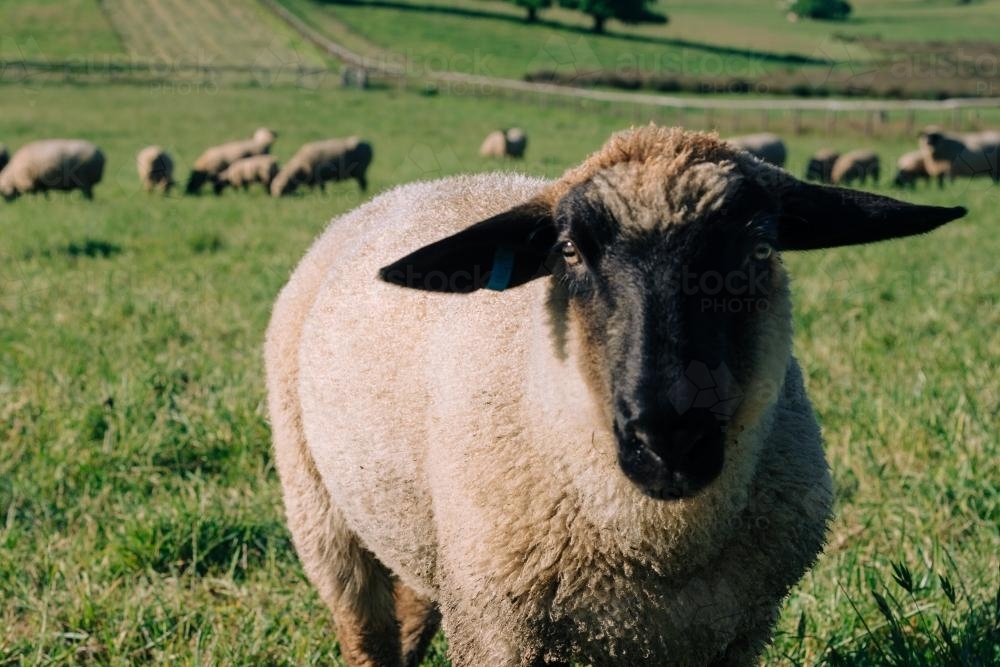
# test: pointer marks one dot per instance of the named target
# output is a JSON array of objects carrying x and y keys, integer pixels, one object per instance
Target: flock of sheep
[
  {"x": 74, "y": 164},
  {"x": 940, "y": 154},
  {"x": 71, "y": 164}
]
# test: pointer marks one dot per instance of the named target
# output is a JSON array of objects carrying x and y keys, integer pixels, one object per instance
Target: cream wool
[
  {"x": 857, "y": 165},
  {"x": 53, "y": 164},
  {"x": 453, "y": 452},
  {"x": 156, "y": 169},
  {"x": 317, "y": 162}
]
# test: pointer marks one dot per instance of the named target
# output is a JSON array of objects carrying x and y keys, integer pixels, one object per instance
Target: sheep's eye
[
  {"x": 762, "y": 251},
  {"x": 569, "y": 252}
]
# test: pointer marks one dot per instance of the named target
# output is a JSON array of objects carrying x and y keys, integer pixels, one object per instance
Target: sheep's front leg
[
  {"x": 485, "y": 630},
  {"x": 419, "y": 620}
]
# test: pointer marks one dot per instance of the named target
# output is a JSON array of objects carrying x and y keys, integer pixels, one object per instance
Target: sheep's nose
[{"x": 671, "y": 458}]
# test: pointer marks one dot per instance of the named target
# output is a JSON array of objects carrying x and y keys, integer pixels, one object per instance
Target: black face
[{"x": 670, "y": 316}]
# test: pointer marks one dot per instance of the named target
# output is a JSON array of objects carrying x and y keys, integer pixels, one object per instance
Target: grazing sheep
[
  {"x": 243, "y": 173},
  {"x": 910, "y": 168},
  {"x": 857, "y": 165},
  {"x": 505, "y": 143},
  {"x": 537, "y": 467},
  {"x": 976, "y": 154},
  {"x": 53, "y": 164},
  {"x": 321, "y": 161},
  {"x": 156, "y": 169},
  {"x": 4, "y": 156},
  {"x": 820, "y": 167},
  {"x": 765, "y": 145},
  {"x": 213, "y": 161}
]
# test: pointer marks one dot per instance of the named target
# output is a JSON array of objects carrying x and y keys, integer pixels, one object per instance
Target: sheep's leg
[
  {"x": 419, "y": 620},
  {"x": 88, "y": 194},
  {"x": 483, "y": 630},
  {"x": 362, "y": 182}
]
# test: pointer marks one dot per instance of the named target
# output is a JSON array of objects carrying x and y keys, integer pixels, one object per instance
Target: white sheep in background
[
  {"x": 318, "y": 162},
  {"x": 156, "y": 169},
  {"x": 820, "y": 166},
  {"x": 910, "y": 168},
  {"x": 973, "y": 154},
  {"x": 214, "y": 160},
  {"x": 611, "y": 460},
  {"x": 765, "y": 145},
  {"x": 857, "y": 165},
  {"x": 53, "y": 164},
  {"x": 243, "y": 173},
  {"x": 510, "y": 142}
]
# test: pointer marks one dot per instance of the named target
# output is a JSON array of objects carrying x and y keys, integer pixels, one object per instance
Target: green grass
[
  {"x": 140, "y": 515},
  {"x": 712, "y": 38}
]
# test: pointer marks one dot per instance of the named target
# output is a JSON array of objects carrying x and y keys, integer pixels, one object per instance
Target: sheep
[
  {"x": 535, "y": 467},
  {"x": 910, "y": 168},
  {"x": 156, "y": 169},
  {"x": 214, "y": 160},
  {"x": 242, "y": 173},
  {"x": 765, "y": 145},
  {"x": 510, "y": 142},
  {"x": 4, "y": 156},
  {"x": 321, "y": 161},
  {"x": 820, "y": 166},
  {"x": 53, "y": 164},
  {"x": 857, "y": 165},
  {"x": 947, "y": 154}
]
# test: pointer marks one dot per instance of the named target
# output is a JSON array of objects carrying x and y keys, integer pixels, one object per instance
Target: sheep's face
[
  {"x": 662, "y": 250},
  {"x": 671, "y": 289}
]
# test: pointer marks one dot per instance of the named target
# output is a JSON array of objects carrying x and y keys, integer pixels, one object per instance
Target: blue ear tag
[{"x": 503, "y": 268}]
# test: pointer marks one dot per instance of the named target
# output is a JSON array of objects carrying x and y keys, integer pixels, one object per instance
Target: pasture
[{"x": 140, "y": 515}]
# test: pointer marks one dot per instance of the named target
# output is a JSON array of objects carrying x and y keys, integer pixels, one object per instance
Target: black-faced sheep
[
  {"x": 213, "y": 161},
  {"x": 612, "y": 459},
  {"x": 947, "y": 154},
  {"x": 244, "y": 173},
  {"x": 4, "y": 156},
  {"x": 320, "y": 161},
  {"x": 820, "y": 166},
  {"x": 156, "y": 169},
  {"x": 910, "y": 168},
  {"x": 858, "y": 165},
  {"x": 53, "y": 164},
  {"x": 764, "y": 145},
  {"x": 511, "y": 142}
]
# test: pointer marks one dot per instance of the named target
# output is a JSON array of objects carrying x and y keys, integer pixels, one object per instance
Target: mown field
[
  {"x": 898, "y": 48},
  {"x": 140, "y": 515}
]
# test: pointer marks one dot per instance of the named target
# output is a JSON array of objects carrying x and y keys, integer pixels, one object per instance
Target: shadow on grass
[
  {"x": 782, "y": 58},
  {"x": 88, "y": 247}
]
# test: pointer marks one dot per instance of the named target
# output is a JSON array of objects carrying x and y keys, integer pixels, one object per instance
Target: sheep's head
[
  {"x": 264, "y": 136},
  {"x": 663, "y": 252}
]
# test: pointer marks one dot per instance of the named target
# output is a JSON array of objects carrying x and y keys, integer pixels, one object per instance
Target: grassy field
[
  {"x": 140, "y": 515},
  {"x": 909, "y": 46}
]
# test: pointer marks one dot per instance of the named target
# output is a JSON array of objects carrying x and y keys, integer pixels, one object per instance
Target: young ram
[{"x": 610, "y": 460}]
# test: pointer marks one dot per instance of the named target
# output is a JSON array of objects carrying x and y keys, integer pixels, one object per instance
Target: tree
[
  {"x": 533, "y": 6},
  {"x": 626, "y": 11},
  {"x": 828, "y": 10}
]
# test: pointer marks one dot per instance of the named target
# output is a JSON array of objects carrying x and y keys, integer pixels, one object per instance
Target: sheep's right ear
[
  {"x": 819, "y": 216},
  {"x": 504, "y": 251}
]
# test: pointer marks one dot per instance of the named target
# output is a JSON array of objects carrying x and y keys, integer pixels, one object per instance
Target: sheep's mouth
[{"x": 661, "y": 475}]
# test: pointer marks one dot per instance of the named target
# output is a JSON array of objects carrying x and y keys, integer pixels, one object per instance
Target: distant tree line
[{"x": 626, "y": 11}]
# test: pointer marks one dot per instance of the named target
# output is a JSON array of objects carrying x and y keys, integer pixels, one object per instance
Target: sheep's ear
[
  {"x": 504, "y": 251},
  {"x": 815, "y": 216}
]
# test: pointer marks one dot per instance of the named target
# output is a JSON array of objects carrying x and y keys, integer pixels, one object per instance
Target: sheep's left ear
[
  {"x": 504, "y": 251},
  {"x": 816, "y": 216}
]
